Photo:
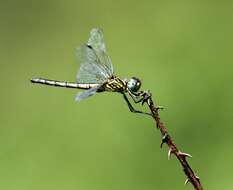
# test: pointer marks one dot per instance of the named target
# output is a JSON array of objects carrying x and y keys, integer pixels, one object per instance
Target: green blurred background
[{"x": 182, "y": 51}]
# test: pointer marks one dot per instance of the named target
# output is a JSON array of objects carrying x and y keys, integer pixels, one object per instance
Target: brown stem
[{"x": 191, "y": 176}]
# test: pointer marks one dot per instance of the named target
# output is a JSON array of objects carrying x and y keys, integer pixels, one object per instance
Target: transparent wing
[
  {"x": 96, "y": 41},
  {"x": 85, "y": 94},
  {"x": 95, "y": 64},
  {"x": 91, "y": 70}
]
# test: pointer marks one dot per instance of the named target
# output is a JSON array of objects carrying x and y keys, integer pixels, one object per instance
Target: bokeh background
[{"x": 182, "y": 51}]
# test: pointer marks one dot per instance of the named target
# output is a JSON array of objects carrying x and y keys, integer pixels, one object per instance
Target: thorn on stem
[
  {"x": 197, "y": 177},
  {"x": 186, "y": 181},
  {"x": 184, "y": 154},
  {"x": 170, "y": 152}
]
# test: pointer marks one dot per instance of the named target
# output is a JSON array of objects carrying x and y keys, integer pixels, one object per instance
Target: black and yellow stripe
[{"x": 115, "y": 85}]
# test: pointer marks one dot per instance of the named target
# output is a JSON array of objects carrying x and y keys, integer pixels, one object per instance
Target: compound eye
[{"x": 134, "y": 84}]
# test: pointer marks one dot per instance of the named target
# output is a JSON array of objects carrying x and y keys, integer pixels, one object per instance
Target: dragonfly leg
[
  {"x": 138, "y": 97},
  {"x": 142, "y": 97},
  {"x": 131, "y": 108}
]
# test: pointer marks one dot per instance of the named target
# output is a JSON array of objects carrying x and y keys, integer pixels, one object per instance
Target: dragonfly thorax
[
  {"x": 134, "y": 84},
  {"x": 115, "y": 84}
]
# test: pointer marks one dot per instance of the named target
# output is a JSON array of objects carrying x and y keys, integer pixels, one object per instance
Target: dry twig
[{"x": 166, "y": 139}]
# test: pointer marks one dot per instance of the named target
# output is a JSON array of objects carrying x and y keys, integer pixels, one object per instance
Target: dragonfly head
[{"x": 134, "y": 84}]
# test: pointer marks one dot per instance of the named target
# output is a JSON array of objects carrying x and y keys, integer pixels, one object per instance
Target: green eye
[{"x": 133, "y": 84}]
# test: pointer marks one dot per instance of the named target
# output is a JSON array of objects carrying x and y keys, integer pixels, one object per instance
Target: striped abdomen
[{"x": 63, "y": 83}]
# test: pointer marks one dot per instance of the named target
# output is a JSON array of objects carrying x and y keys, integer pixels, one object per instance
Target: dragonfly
[{"x": 96, "y": 74}]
